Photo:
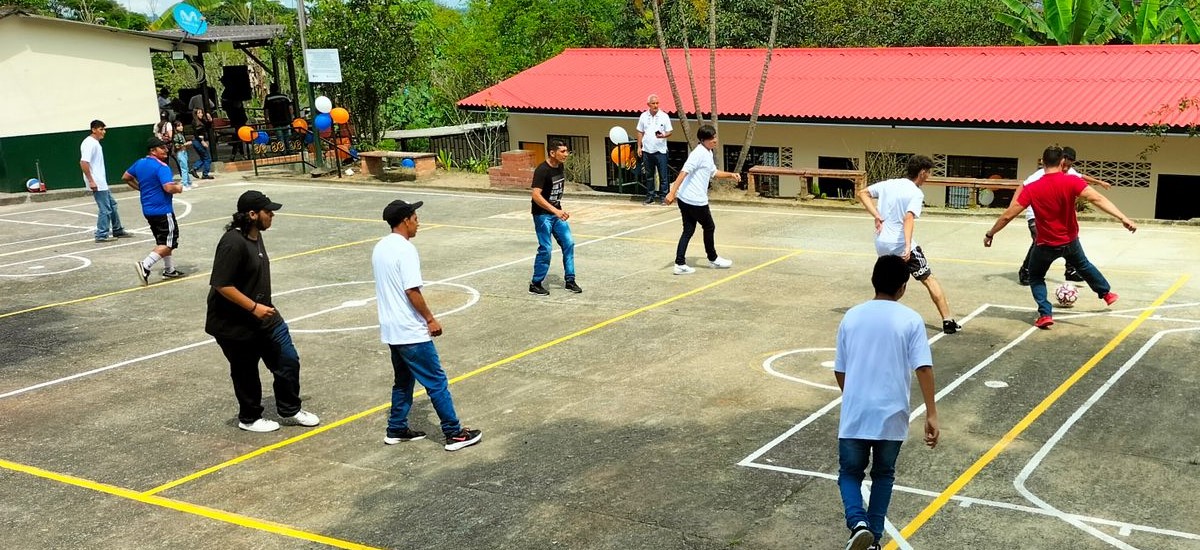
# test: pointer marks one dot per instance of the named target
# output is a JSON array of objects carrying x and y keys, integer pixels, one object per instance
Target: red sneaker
[
  {"x": 1111, "y": 298},
  {"x": 1044, "y": 322}
]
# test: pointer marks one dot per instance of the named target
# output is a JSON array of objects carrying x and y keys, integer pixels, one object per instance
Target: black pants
[
  {"x": 1023, "y": 274},
  {"x": 691, "y": 216},
  {"x": 274, "y": 347}
]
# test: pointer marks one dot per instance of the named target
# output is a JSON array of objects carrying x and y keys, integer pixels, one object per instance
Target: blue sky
[{"x": 155, "y": 7}]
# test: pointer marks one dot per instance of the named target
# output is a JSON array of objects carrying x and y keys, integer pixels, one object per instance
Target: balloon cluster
[
  {"x": 622, "y": 155},
  {"x": 327, "y": 116}
]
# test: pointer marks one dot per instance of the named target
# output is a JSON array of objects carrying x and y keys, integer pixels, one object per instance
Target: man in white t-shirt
[
  {"x": 91, "y": 162},
  {"x": 407, "y": 326},
  {"x": 900, "y": 202},
  {"x": 1070, "y": 274},
  {"x": 880, "y": 344},
  {"x": 691, "y": 187},
  {"x": 653, "y": 129}
]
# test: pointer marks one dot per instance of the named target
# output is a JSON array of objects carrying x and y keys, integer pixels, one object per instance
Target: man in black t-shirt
[
  {"x": 245, "y": 323},
  {"x": 550, "y": 219}
]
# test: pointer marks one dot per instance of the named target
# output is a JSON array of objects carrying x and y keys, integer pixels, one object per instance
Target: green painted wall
[{"x": 59, "y": 156}]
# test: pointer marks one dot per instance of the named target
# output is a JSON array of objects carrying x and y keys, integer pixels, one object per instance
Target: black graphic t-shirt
[{"x": 550, "y": 180}]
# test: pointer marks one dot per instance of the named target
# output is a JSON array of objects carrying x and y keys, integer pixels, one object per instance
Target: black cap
[
  {"x": 1069, "y": 153},
  {"x": 398, "y": 211},
  {"x": 255, "y": 200},
  {"x": 155, "y": 142}
]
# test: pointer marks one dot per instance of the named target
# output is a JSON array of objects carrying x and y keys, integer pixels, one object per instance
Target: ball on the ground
[
  {"x": 408, "y": 163},
  {"x": 35, "y": 185},
  {"x": 1066, "y": 294}
]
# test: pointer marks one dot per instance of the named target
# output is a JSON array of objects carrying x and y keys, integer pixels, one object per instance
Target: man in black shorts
[{"x": 151, "y": 176}]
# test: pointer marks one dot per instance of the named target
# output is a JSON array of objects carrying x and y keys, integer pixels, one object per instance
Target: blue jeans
[
  {"x": 853, "y": 455},
  {"x": 1039, "y": 264},
  {"x": 546, "y": 225},
  {"x": 275, "y": 348},
  {"x": 419, "y": 363},
  {"x": 651, "y": 163},
  {"x": 203, "y": 160},
  {"x": 108, "y": 220},
  {"x": 182, "y": 157}
]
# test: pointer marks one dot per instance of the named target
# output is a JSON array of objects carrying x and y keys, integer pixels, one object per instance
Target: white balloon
[
  {"x": 323, "y": 104},
  {"x": 618, "y": 135}
]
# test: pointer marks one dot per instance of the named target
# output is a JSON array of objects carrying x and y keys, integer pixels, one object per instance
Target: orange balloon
[
  {"x": 623, "y": 156},
  {"x": 339, "y": 115},
  {"x": 246, "y": 133},
  {"x": 300, "y": 125}
]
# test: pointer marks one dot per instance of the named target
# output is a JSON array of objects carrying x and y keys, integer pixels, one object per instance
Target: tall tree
[
  {"x": 762, "y": 86},
  {"x": 681, "y": 111}
]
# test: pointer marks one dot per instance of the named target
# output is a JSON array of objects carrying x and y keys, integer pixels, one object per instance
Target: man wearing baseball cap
[
  {"x": 151, "y": 176},
  {"x": 408, "y": 327},
  {"x": 243, "y": 319}
]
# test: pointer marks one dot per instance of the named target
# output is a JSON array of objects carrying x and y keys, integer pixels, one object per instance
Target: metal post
[{"x": 300, "y": 12}]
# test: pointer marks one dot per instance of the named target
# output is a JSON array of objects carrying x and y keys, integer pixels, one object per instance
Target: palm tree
[
  {"x": 762, "y": 86},
  {"x": 681, "y": 111}
]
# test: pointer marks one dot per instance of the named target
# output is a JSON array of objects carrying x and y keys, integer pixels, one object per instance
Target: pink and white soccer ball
[{"x": 1066, "y": 294}]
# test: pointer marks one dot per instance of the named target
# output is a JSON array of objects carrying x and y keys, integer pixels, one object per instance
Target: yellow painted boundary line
[
  {"x": 187, "y": 508},
  {"x": 480, "y": 370},
  {"x": 169, "y": 281},
  {"x": 1030, "y": 418}
]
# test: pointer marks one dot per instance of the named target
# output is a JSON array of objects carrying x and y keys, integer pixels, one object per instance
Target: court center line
[
  {"x": 480, "y": 370},
  {"x": 185, "y": 507},
  {"x": 926, "y": 514}
]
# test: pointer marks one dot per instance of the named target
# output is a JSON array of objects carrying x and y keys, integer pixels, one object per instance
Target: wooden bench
[
  {"x": 859, "y": 177},
  {"x": 974, "y": 184},
  {"x": 372, "y": 161}
]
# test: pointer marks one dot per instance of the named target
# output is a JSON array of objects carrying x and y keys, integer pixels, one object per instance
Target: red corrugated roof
[{"x": 1068, "y": 85}]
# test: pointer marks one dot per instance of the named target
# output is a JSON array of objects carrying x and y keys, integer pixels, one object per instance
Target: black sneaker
[
  {"x": 861, "y": 537},
  {"x": 1072, "y": 275},
  {"x": 951, "y": 326},
  {"x": 404, "y": 435},
  {"x": 649, "y": 200},
  {"x": 194, "y": 174},
  {"x": 573, "y": 287},
  {"x": 538, "y": 290},
  {"x": 172, "y": 274},
  {"x": 464, "y": 438},
  {"x": 123, "y": 235},
  {"x": 143, "y": 273}
]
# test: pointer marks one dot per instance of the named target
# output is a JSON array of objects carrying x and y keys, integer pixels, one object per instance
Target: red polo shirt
[{"x": 1053, "y": 198}]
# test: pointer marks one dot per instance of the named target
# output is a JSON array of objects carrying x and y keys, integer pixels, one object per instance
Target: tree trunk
[
  {"x": 680, "y": 111},
  {"x": 687, "y": 60},
  {"x": 762, "y": 85},
  {"x": 712, "y": 60}
]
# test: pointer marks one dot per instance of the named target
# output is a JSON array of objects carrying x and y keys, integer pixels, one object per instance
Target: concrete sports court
[{"x": 652, "y": 411}]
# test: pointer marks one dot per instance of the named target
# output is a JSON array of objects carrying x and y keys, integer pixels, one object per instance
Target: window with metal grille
[
  {"x": 579, "y": 165},
  {"x": 962, "y": 166},
  {"x": 1120, "y": 174},
  {"x": 765, "y": 156}
]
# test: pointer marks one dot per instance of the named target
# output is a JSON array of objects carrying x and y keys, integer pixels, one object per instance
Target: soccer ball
[
  {"x": 1066, "y": 294},
  {"x": 35, "y": 186}
]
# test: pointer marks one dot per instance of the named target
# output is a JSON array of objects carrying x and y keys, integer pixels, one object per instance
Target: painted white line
[
  {"x": 102, "y": 369},
  {"x": 83, "y": 263},
  {"x": 768, "y": 365},
  {"x": 1034, "y": 462},
  {"x": 471, "y": 292},
  {"x": 48, "y": 237},
  {"x": 966, "y": 502},
  {"x": 44, "y": 224}
]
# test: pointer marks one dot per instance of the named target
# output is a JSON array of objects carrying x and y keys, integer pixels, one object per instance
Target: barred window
[
  {"x": 1120, "y": 174},
  {"x": 939, "y": 165},
  {"x": 785, "y": 157}
]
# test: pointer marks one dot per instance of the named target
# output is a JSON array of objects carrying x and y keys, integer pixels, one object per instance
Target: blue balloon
[
  {"x": 309, "y": 138},
  {"x": 262, "y": 138},
  {"x": 323, "y": 121},
  {"x": 408, "y": 163}
]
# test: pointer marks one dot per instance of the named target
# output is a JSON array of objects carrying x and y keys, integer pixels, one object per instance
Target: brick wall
[{"x": 515, "y": 170}]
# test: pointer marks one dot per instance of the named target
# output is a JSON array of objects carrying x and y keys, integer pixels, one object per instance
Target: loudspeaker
[{"x": 236, "y": 79}]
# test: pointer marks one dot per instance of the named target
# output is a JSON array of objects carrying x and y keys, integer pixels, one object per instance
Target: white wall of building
[{"x": 1176, "y": 155}]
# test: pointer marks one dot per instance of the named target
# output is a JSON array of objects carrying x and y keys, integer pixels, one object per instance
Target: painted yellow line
[
  {"x": 191, "y": 277},
  {"x": 187, "y": 508},
  {"x": 1030, "y": 418},
  {"x": 480, "y": 370}
]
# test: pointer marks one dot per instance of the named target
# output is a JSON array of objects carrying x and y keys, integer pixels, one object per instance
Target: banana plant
[
  {"x": 1159, "y": 22},
  {"x": 1062, "y": 22}
]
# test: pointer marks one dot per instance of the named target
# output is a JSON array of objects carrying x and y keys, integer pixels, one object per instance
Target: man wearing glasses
[{"x": 653, "y": 129}]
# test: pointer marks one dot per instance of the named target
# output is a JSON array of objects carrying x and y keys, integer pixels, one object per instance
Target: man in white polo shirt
[
  {"x": 91, "y": 162},
  {"x": 653, "y": 129}
]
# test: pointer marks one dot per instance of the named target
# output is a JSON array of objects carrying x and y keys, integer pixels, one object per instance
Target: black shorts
[
  {"x": 917, "y": 265},
  {"x": 165, "y": 230}
]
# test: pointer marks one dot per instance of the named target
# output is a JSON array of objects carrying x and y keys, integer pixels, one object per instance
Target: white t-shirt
[
  {"x": 896, "y": 198},
  {"x": 1029, "y": 215},
  {"x": 91, "y": 152},
  {"x": 648, "y": 124},
  {"x": 700, "y": 169},
  {"x": 398, "y": 268},
  {"x": 879, "y": 345}
]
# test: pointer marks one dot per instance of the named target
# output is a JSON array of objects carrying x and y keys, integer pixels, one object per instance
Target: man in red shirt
[{"x": 1053, "y": 198}]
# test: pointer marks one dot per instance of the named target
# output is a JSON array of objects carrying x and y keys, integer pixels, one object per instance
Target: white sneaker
[
  {"x": 720, "y": 263},
  {"x": 262, "y": 426},
  {"x": 684, "y": 269},
  {"x": 302, "y": 418}
]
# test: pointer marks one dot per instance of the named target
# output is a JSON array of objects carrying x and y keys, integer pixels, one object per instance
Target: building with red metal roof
[{"x": 979, "y": 111}]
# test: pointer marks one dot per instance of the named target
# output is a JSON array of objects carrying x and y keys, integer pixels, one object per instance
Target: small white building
[
  {"x": 58, "y": 76},
  {"x": 979, "y": 112}
]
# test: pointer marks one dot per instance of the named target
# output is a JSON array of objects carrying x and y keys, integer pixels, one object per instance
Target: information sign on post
[{"x": 323, "y": 65}]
